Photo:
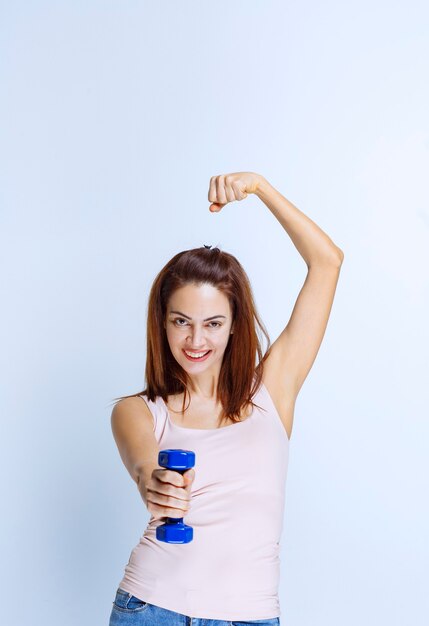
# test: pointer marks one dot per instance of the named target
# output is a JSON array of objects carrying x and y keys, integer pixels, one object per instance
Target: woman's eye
[{"x": 180, "y": 319}]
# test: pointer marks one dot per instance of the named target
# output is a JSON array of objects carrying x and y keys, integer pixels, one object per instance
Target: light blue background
[{"x": 114, "y": 116}]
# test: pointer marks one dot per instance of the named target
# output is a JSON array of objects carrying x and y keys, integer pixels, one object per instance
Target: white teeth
[{"x": 196, "y": 354}]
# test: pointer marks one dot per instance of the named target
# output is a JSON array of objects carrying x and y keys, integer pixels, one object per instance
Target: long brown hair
[{"x": 240, "y": 374}]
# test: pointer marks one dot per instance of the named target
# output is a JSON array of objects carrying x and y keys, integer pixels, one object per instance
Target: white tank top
[{"x": 231, "y": 568}]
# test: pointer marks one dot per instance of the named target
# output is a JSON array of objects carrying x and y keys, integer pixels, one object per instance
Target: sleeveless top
[{"x": 231, "y": 568}]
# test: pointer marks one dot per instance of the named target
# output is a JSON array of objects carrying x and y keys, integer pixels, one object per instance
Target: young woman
[{"x": 212, "y": 391}]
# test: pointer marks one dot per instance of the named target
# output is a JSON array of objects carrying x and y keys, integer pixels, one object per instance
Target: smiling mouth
[{"x": 199, "y": 358}]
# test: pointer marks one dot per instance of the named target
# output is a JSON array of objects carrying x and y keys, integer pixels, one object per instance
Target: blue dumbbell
[{"x": 174, "y": 530}]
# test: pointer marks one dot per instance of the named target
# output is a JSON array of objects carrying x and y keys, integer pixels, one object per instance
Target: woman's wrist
[{"x": 262, "y": 186}]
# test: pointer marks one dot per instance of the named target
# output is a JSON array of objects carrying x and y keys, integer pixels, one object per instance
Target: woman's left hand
[{"x": 229, "y": 187}]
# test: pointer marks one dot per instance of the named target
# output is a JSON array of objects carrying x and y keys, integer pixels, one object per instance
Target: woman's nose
[{"x": 197, "y": 338}]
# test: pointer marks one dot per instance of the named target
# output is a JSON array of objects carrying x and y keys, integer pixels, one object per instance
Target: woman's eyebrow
[{"x": 190, "y": 318}]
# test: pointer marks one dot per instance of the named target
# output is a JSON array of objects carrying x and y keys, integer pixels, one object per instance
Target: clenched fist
[
  {"x": 169, "y": 492},
  {"x": 229, "y": 187}
]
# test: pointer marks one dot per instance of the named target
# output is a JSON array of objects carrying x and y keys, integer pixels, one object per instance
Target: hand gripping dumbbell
[{"x": 174, "y": 530}]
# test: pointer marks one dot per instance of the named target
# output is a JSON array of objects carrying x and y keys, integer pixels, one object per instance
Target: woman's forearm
[{"x": 314, "y": 245}]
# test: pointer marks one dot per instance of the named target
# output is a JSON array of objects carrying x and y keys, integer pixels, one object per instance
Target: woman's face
[{"x": 189, "y": 327}]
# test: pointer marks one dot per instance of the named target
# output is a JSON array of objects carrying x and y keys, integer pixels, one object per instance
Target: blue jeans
[{"x": 129, "y": 610}]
